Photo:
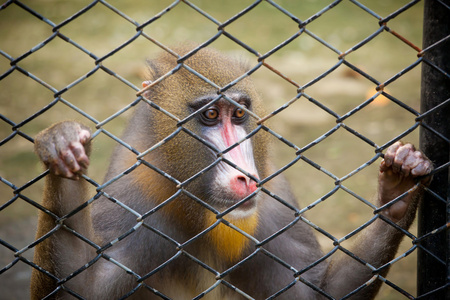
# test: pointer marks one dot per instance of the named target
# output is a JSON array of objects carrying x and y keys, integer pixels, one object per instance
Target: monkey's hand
[
  {"x": 64, "y": 148},
  {"x": 399, "y": 170}
]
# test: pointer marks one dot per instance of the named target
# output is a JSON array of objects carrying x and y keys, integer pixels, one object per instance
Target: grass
[{"x": 100, "y": 31}]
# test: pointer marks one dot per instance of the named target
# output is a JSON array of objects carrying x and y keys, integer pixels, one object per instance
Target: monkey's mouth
[
  {"x": 238, "y": 204},
  {"x": 246, "y": 204}
]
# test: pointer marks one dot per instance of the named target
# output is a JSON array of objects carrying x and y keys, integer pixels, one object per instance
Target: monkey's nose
[{"x": 243, "y": 185}]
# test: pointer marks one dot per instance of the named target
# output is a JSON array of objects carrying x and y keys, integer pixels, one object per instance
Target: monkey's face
[
  {"x": 225, "y": 128},
  {"x": 220, "y": 163}
]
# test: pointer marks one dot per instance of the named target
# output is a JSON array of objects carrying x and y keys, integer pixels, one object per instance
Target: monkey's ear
[
  {"x": 152, "y": 71},
  {"x": 147, "y": 94},
  {"x": 244, "y": 64}
]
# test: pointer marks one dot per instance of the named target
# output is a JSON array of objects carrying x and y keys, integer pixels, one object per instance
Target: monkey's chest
[{"x": 198, "y": 281}]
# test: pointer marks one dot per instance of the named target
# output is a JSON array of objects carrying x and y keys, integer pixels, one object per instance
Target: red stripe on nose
[
  {"x": 230, "y": 137},
  {"x": 228, "y": 132}
]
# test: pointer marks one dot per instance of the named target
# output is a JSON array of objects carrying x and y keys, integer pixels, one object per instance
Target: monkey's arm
[
  {"x": 64, "y": 149},
  {"x": 378, "y": 244}
]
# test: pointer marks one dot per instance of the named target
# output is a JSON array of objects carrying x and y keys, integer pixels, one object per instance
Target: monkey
[{"x": 196, "y": 208}]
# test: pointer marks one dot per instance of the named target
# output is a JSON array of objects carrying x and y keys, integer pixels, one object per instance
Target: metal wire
[{"x": 302, "y": 156}]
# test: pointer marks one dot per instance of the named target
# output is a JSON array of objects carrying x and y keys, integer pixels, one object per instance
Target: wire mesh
[{"x": 321, "y": 69}]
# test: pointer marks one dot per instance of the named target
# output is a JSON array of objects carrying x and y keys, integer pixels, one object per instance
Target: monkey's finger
[
  {"x": 79, "y": 154},
  {"x": 401, "y": 155},
  {"x": 59, "y": 168},
  {"x": 423, "y": 168},
  {"x": 411, "y": 161},
  {"x": 70, "y": 161},
  {"x": 383, "y": 166},
  {"x": 84, "y": 136},
  {"x": 390, "y": 153},
  {"x": 49, "y": 155}
]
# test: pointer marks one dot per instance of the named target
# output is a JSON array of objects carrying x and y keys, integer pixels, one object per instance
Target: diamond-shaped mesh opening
[
  {"x": 303, "y": 69},
  {"x": 158, "y": 27},
  {"x": 86, "y": 30},
  {"x": 355, "y": 215},
  {"x": 382, "y": 43},
  {"x": 332, "y": 156},
  {"x": 57, "y": 14},
  {"x": 253, "y": 23},
  {"x": 340, "y": 82},
  {"x": 17, "y": 47},
  {"x": 340, "y": 32},
  {"x": 341, "y": 91},
  {"x": 83, "y": 95},
  {"x": 74, "y": 59}
]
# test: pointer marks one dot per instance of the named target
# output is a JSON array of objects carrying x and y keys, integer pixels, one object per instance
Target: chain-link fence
[{"x": 341, "y": 81}]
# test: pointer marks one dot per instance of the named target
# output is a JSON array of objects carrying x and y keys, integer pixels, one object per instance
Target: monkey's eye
[
  {"x": 239, "y": 116},
  {"x": 239, "y": 113},
  {"x": 211, "y": 114}
]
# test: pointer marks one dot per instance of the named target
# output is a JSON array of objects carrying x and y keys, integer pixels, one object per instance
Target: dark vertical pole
[{"x": 433, "y": 254}]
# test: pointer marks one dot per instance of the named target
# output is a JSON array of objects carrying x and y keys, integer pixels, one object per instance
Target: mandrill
[{"x": 198, "y": 203}]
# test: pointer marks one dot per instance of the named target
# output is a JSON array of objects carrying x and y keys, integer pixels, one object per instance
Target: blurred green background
[{"x": 100, "y": 30}]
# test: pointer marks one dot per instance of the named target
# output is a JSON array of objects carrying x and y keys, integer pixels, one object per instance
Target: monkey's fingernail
[
  {"x": 84, "y": 136},
  {"x": 84, "y": 162},
  {"x": 388, "y": 161},
  {"x": 75, "y": 168},
  {"x": 405, "y": 170},
  {"x": 420, "y": 169}
]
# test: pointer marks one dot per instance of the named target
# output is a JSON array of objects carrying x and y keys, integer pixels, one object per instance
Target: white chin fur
[{"x": 241, "y": 213}]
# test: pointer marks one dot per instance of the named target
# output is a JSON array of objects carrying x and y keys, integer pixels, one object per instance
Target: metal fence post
[{"x": 433, "y": 255}]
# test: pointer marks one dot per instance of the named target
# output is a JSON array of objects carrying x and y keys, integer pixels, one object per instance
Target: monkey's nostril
[
  {"x": 243, "y": 185},
  {"x": 242, "y": 179}
]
